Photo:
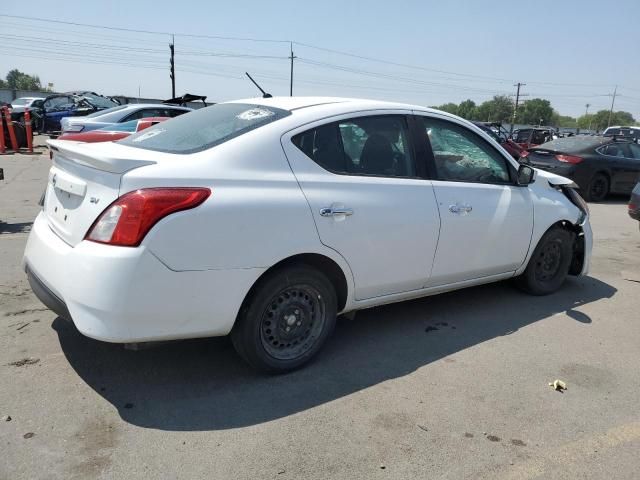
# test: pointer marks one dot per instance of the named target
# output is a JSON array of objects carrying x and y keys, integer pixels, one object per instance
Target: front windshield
[{"x": 98, "y": 101}]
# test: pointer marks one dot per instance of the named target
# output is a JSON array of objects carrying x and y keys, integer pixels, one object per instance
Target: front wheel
[
  {"x": 549, "y": 264},
  {"x": 286, "y": 321}
]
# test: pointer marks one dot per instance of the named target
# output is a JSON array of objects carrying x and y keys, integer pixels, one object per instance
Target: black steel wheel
[
  {"x": 549, "y": 264},
  {"x": 598, "y": 188},
  {"x": 286, "y": 320}
]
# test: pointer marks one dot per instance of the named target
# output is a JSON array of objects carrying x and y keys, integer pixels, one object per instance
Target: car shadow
[
  {"x": 21, "y": 227},
  {"x": 202, "y": 384},
  {"x": 615, "y": 199}
]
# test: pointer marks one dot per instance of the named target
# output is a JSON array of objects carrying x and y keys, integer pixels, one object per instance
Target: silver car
[{"x": 120, "y": 114}]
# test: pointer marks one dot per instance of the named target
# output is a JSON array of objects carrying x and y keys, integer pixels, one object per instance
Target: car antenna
[{"x": 264, "y": 94}]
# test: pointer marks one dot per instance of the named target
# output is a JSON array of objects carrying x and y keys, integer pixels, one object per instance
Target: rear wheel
[
  {"x": 287, "y": 320},
  {"x": 598, "y": 188},
  {"x": 549, "y": 264}
]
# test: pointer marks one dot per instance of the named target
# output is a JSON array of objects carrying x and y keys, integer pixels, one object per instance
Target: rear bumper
[
  {"x": 122, "y": 295},
  {"x": 46, "y": 296}
]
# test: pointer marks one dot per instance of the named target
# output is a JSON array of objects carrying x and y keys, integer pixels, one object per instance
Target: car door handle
[
  {"x": 332, "y": 212},
  {"x": 460, "y": 209}
]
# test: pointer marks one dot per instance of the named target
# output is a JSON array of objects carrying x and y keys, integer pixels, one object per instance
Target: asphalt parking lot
[{"x": 453, "y": 386}]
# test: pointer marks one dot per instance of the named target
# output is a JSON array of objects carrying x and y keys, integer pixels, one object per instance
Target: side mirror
[{"x": 526, "y": 175}]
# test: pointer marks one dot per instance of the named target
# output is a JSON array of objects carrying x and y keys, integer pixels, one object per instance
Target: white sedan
[{"x": 265, "y": 218}]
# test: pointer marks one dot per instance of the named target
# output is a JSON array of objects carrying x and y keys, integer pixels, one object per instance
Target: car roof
[
  {"x": 297, "y": 103},
  {"x": 154, "y": 105},
  {"x": 622, "y": 126}
]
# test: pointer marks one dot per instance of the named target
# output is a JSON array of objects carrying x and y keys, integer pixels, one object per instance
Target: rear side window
[
  {"x": 174, "y": 112},
  {"x": 145, "y": 113},
  {"x": 376, "y": 145},
  {"x": 205, "y": 128}
]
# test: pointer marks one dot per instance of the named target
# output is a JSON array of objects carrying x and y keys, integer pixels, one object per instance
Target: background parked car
[
  {"x": 120, "y": 114},
  {"x": 114, "y": 132},
  {"x": 501, "y": 136},
  {"x": 530, "y": 137},
  {"x": 56, "y": 107},
  {"x": 632, "y": 133},
  {"x": 22, "y": 102},
  {"x": 599, "y": 165},
  {"x": 634, "y": 203}
]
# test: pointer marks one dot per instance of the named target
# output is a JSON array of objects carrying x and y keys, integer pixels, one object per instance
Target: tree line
[
  {"x": 536, "y": 111},
  {"x": 17, "y": 80}
]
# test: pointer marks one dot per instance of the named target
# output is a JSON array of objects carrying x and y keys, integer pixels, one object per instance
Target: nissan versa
[{"x": 265, "y": 218}]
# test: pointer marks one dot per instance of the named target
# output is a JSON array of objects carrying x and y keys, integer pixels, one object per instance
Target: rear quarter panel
[{"x": 256, "y": 215}]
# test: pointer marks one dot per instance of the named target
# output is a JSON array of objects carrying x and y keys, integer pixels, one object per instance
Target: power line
[{"x": 149, "y": 32}]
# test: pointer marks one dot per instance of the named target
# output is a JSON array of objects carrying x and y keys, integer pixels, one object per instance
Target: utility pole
[
  {"x": 173, "y": 67},
  {"x": 586, "y": 115},
  {"x": 515, "y": 109},
  {"x": 291, "y": 76},
  {"x": 615, "y": 90}
]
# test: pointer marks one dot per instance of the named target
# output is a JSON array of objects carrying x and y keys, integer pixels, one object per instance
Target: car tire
[
  {"x": 286, "y": 320},
  {"x": 549, "y": 264},
  {"x": 598, "y": 188}
]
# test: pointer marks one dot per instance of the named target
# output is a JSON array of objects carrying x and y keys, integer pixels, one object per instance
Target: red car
[
  {"x": 113, "y": 132},
  {"x": 501, "y": 136}
]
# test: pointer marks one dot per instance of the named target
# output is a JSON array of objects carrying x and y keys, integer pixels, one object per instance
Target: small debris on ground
[
  {"x": 24, "y": 361},
  {"x": 558, "y": 385},
  {"x": 422, "y": 427},
  {"x": 382, "y": 466},
  {"x": 6, "y": 418},
  {"x": 22, "y": 326},
  {"x": 281, "y": 471},
  {"x": 128, "y": 405},
  {"x": 430, "y": 328},
  {"x": 493, "y": 438},
  {"x": 28, "y": 435}
]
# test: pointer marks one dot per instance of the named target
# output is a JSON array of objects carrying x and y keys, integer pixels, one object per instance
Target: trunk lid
[
  {"x": 543, "y": 158},
  {"x": 84, "y": 179}
]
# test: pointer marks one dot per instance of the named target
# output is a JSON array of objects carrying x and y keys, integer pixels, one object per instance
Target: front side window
[
  {"x": 635, "y": 150},
  {"x": 376, "y": 145},
  {"x": 461, "y": 155}
]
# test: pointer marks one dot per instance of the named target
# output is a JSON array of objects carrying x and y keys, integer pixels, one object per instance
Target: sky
[{"x": 572, "y": 53}]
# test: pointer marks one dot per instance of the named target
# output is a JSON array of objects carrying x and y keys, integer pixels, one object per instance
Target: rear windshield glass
[
  {"x": 573, "y": 144},
  {"x": 205, "y": 128}
]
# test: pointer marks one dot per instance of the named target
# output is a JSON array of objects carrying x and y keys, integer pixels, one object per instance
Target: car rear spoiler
[
  {"x": 87, "y": 155},
  {"x": 186, "y": 98}
]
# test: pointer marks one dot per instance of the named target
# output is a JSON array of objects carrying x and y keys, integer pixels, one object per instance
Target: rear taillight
[
  {"x": 127, "y": 220},
  {"x": 569, "y": 159}
]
